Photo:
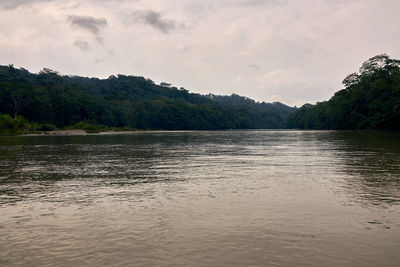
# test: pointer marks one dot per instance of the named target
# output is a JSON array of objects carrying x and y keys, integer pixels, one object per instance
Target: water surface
[{"x": 227, "y": 198}]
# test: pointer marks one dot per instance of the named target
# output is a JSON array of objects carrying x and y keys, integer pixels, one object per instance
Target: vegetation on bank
[
  {"x": 370, "y": 100},
  {"x": 48, "y": 98},
  {"x": 20, "y": 125},
  {"x": 13, "y": 126},
  {"x": 97, "y": 128},
  {"x": 48, "y": 101}
]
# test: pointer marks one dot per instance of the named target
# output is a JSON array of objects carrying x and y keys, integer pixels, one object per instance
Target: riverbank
[{"x": 76, "y": 132}]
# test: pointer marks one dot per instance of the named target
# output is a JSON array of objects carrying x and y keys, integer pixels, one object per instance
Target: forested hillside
[
  {"x": 49, "y": 98},
  {"x": 273, "y": 114},
  {"x": 370, "y": 100}
]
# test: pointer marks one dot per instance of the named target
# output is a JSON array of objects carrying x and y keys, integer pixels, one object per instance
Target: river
[{"x": 201, "y": 198}]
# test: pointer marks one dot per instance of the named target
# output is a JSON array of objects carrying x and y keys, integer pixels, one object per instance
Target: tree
[
  {"x": 164, "y": 84},
  {"x": 371, "y": 100},
  {"x": 16, "y": 88},
  {"x": 379, "y": 62},
  {"x": 48, "y": 76},
  {"x": 351, "y": 79}
]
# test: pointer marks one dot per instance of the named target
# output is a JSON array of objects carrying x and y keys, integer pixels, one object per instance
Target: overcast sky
[{"x": 293, "y": 51}]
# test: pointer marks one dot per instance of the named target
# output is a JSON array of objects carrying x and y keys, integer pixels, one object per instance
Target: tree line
[
  {"x": 49, "y": 100},
  {"x": 370, "y": 100}
]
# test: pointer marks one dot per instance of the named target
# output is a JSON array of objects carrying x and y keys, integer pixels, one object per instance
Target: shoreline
[
  {"x": 72, "y": 132},
  {"x": 76, "y": 132},
  {"x": 83, "y": 132}
]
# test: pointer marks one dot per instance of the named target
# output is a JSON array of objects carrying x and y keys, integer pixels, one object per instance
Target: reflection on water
[
  {"x": 371, "y": 160},
  {"x": 229, "y": 198}
]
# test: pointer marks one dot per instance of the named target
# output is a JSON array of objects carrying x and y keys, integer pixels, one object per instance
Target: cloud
[
  {"x": 13, "y": 4},
  {"x": 155, "y": 20},
  {"x": 262, "y": 2},
  {"x": 99, "y": 60},
  {"x": 88, "y": 23},
  {"x": 83, "y": 45},
  {"x": 255, "y": 67}
]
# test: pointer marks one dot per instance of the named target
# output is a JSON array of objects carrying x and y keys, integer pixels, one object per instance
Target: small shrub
[
  {"x": 13, "y": 126},
  {"x": 89, "y": 128},
  {"x": 46, "y": 127}
]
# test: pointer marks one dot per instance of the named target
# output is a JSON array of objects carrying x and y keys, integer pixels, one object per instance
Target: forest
[
  {"x": 370, "y": 100},
  {"x": 49, "y": 100}
]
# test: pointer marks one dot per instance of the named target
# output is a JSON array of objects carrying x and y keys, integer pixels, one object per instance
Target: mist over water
[{"x": 207, "y": 198}]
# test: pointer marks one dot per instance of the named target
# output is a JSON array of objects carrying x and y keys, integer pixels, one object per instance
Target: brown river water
[{"x": 201, "y": 198}]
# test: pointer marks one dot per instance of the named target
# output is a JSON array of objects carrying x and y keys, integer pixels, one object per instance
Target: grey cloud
[
  {"x": 255, "y": 67},
  {"x": 99, "y": 39},
  {"x": 83, "y": 45},
  {"x": 12, "y": 4},
  {"x": 254, "y": 2},
  {"x": 155, "y": 20},
  {"x": 99, "y": 60},
  {"x": 90, "y": 24},
  {"x": 262, "y": 2}
]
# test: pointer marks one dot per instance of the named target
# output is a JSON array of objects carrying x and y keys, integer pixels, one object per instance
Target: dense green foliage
[
  {"x": 51, "y": 100},
  {"x": 370, "y": 100},
  {"x": 252, "y": 113},
  {"x": 12, "y": 126}
]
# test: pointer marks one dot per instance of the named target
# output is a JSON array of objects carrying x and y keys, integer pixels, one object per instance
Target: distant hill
[
  {"x": 273, "y": 114},
  {"x": 51, "y": 98},
  {"x": 370, "y": 100}
]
